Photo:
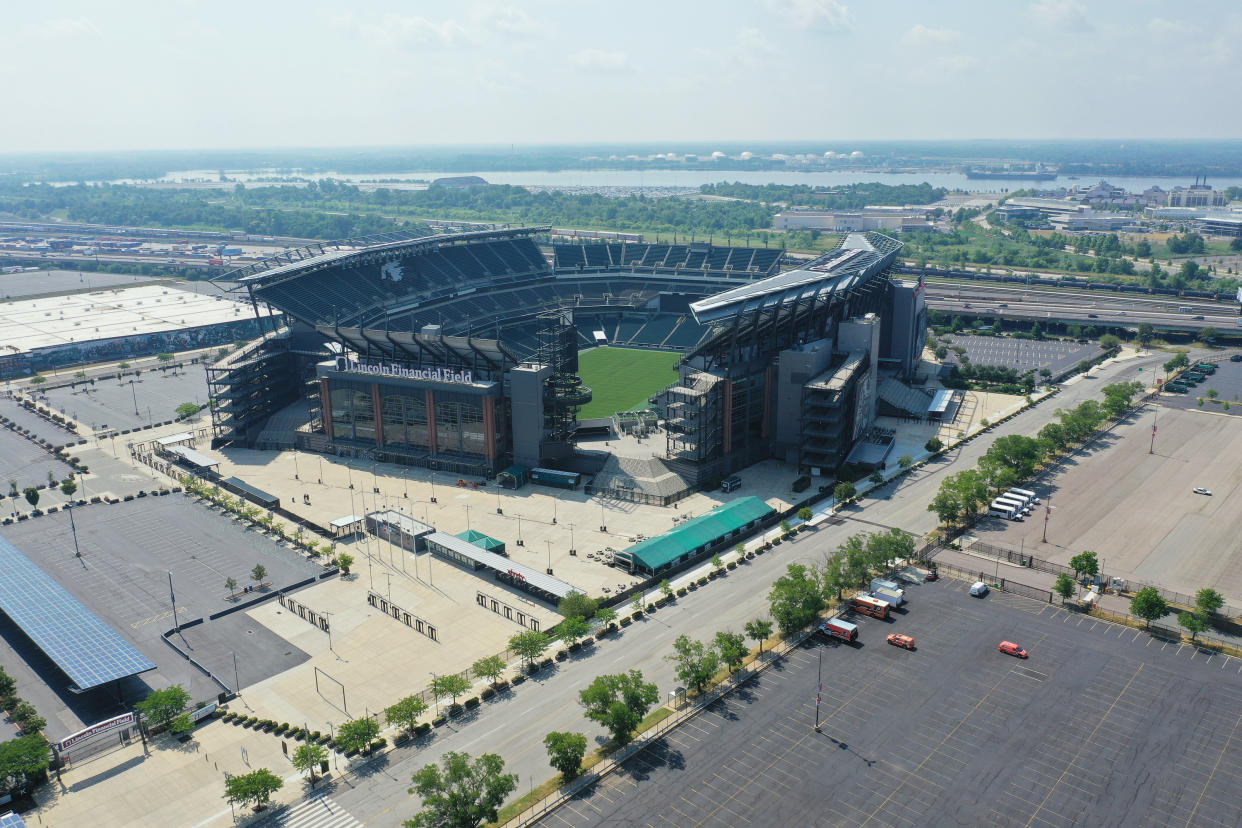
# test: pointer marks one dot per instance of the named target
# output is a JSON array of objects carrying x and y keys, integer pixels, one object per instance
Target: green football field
[{"x": 623, "y": 379}]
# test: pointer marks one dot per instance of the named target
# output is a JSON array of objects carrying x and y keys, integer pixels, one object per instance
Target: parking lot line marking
[
  {"x": 1212, "y": 775},
  {"x": 1082, "y": 746}
]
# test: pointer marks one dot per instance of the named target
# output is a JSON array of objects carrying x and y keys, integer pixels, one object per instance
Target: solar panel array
[
  {"x": 11, "y": 820},
  {"x": 88, "y": 651}
]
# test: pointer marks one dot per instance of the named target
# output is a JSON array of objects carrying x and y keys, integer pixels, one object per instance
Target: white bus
[
  {"x": 1029, "y": 495},
  {"x": 1015, "y": 503},
  {"x": 1004, "y": 510}
]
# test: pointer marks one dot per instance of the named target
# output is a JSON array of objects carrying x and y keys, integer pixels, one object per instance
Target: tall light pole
[
  {"x": 297, "y": 473},
  {"x": 1152, "y": 448},
  {"x": 549, "y": 557},
  {"x": 520, "y": 542},
  {"x": 434, "y": 693},
  {"x": 137, "y": 413},
  {"x": 173, "y": 597},
  {"x": 77, "y": 553}
]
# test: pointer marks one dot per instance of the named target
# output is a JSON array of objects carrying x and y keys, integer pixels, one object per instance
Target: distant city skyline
[{"x": 225, "y": 75}]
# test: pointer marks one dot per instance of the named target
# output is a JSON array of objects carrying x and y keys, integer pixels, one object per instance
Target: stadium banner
[
  {"x": 389, "y": 369},
  {"x": 95, "y": 729}
]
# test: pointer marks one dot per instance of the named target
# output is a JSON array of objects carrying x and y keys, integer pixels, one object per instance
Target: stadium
[{"x": 461, "y": 352}]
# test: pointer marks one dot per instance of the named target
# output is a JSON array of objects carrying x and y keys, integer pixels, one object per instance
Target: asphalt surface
[
  {"x": 26, "y": 463},
  {"x": 39, "y": 283},
  {"x": 1022, "y": 354},
  {"x": 49, "y": 431},
  {"x": 128, "y": 549},
  {"x": 1227, "y": 382},
  {"x": 109, "y": 402},
  {"x": 952, "y": 733}
]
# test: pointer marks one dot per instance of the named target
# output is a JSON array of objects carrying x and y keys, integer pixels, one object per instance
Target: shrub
[
  {"x": 501, "y": 685},
  {"x": 316, "y": 736},
  {"x": 703, "y": 581},
  {"x": 486, "y": 694},
  {"x": 547, "y": 662},
  {"x": 681, "y": 592},
  {"x": 561, "y": 655},
  {"x": 518, "y": 679},
  {"x": 732, "y": 565},
  {"x": 472, "y": 702},
  {"x": 438, "y": 721},
  {"x": 455, "y": 709},
  {"x": 378, "y": 744},
  {"x": 422, "y": 728},
  {"x": 625, "y": 622}
]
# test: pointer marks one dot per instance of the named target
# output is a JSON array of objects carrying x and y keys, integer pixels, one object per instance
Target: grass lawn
[{"x": 623, "y": 379}]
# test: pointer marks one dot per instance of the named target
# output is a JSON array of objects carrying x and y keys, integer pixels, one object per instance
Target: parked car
[
  {"x": 899, "y": 640},
  {"x": 932, "y": 576},
  {"x": 1236, "y": 358},
  {"x": 1009, "y": 648},
  {"x": 1203, "y": 491},
  {"x": 978, "y": 589}
]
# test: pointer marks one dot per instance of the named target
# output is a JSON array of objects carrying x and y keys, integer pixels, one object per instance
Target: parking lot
[
  {"x": 37, "y": 425},
  {"x": 1226, "y": 382},
  {"x": 26, "y": 463},
  {"x": 1102, "y": 724},
  {"x": 156, "y": 395},
  {"x": 1138, "y": 510},
  {"x": 1022, "y": 354},
  {"x": 128, "y": 550}
]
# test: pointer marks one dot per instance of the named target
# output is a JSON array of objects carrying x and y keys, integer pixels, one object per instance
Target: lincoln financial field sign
[{"x": 389, "y": 369}]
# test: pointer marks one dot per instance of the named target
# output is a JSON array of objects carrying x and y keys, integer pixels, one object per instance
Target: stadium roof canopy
[
  {"x": 697, "y": 534},
  {"x": 86, "y": 649},
  {"x": 860, "y": 256},
  {"x": 354, "y": 252}
]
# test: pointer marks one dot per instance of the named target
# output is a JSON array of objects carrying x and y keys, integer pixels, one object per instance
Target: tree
[
  {"x": 1085, "y": 563},
  {"x": 636, "y": 603},
  {"x": 357, "y": 735},
  {"x": 619, "y": 702},
  {"x": 732, "y": 649},
  {"x": 489, "y": 667},
  {"x": 1064, "y": 586},
  {"x": 717, "y": 562},
  {"x": 905, "y": 461},
  {"x": 573, "y": 628},
  {"x": 255, "y": 788},
  {"x": 576, "y": 603},
  {"x": 1110, "y": 341},
  {"x": 258, "y": 573},
  {"x": 345, "y": 561},
  {"x": 461, "y": 793},
  {"x": 605, "y": 616},
  {"x": 8, "y": 684},
  {"x": 165, "y": 357},
  {"x": 876, "y": 477},
  {"x": 885, "y": 548},
  {"x": 1148, "y": 604},
  {"x": 565, "y": 752},
  {"x": 696, "y": 664},
  {"x": 406, "y": 712},
  {"x": 529, "y": 645},
  {"x": 187, "y": 409},
  {"x": 933, "y": 445},
  {"x": 307, "y": 757},
  {"x": 1207, "y": 603},
  {"x": 805, "y": 514},
  {"x": 162, "y": 706},
  {"x": 844, "y": 492},
  {"x": 795, "y": 598},
  {"x": 450, "y": 684},
  {"x": 32, "y": 496},
  {"x": 666, "y": 589},
  {"x": 23, "y": 761},
  {"x": 68, "y": 486},
  {"x": 1207, "y": 334},
  {"x": 1146, "y": 333},
  {"x": 759, "y": 630},
  {"x": 230, "y": 583},
  {"x": 1193, "y": 624}
]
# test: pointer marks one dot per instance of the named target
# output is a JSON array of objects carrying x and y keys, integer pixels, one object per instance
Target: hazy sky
[{"x": 195, "y": 74}]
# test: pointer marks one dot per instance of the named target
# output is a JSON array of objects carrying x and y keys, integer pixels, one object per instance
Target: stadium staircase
[{"x": 278, "y": 432}]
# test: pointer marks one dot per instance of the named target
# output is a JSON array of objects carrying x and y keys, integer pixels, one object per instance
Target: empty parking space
[
  {"x": 26, "y": 464},
  {"x": 953, "y": 732},
  {"x": 1022, "y": 354},
  {"x": 128, "y": 551},
  {"x": 43, "y": 282},
  {"x": 130, "y": 402}
]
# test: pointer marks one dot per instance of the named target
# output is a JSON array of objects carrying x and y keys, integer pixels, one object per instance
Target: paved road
[{"x": 515, "y": 728}]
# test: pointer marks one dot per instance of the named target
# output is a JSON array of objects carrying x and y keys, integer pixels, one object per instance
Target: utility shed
[{"x": 695, "y": 536}]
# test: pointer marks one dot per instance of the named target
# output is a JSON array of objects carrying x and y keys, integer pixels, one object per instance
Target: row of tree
[{"x": 1015, "y": 457}]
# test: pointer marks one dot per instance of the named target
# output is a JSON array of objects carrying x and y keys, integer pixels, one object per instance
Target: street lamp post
[
  {"x": 520, "y": 542},
  {"x": 297, "y": 473},
  {"x": 549, "y": 557},
  {"x": 135, "y": 393},
  {"x": 434, "y": 693},
  {"x": 603, "y": 524}
]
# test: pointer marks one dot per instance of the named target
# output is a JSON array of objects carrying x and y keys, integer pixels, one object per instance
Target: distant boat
[{"x": 1012, "y": 175}]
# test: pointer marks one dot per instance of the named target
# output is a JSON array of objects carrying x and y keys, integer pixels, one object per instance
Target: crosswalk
[{"x": 317, "y": 812}]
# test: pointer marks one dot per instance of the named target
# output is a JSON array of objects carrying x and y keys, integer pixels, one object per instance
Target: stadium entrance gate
[{"x": 98, "y": 739}]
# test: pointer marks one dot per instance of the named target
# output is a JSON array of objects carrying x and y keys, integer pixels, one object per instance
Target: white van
[
  {"x": 978, "y": 589},
  {"x": 1008, "y": 511},
  {"x": 1020, "y": 505},
  {"x": 1029, "y": 495}
]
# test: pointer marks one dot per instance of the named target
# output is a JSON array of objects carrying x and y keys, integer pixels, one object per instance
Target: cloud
[
  {"x": 61, "y": 27},
  {"x": 396, "y": 31},
  {"x": 821, "y": 15},
  {"x": 1166, "y": 28},
  {"x": 921, "y": 35},
  {"x": 598, "y": 60},
  {"x": 1061, "y": 15},
  {"x": 753, "y": 43},
  {"x": 954, "y": 64},
  {"x": 508, "y": 20}
]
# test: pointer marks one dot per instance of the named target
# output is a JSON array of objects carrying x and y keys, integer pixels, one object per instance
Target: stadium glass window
[
  {"x": 472, "y": 437},
  {"x": 416, "y": 421},
  {"x": 342, "y": 412},
  {"x": 448, "y": 427},
  {"x": 364, "y": 416},
  {"x": 394, "y": 419}
]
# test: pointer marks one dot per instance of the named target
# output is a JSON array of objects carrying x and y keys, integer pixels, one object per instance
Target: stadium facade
[{"x": 459, "y": 351}]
